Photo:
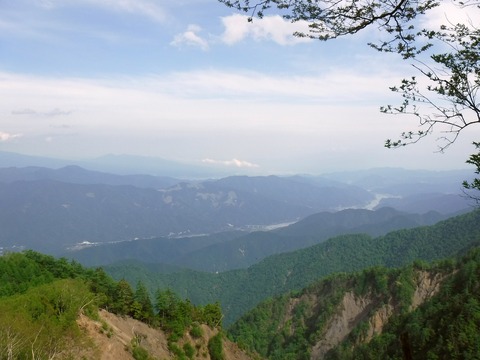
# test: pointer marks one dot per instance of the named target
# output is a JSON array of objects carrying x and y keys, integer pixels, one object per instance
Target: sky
[{"x": 194, "y": 81}]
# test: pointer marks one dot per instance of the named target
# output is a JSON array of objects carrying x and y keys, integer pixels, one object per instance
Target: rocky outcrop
[
  {"x": 428, "y": 284},
  {"x": 354, "y": 309}
]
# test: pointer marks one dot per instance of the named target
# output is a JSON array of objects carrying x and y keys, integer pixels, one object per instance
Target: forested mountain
[
  {"x": 157, "y": 250},
  {"x": 249, "y": 249},
  {"x": 51, "y": 215},
  {"x": 375, "y": 223},
  {"x": 53, "y": 308},
  {"x": 232, "y": 250},
  {"x": 240, "y": 290},
  {"x": 419, "y": 311}
]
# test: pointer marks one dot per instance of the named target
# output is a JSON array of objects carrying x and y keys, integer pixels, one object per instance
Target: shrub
[
  {"x": 196, "y": 331},
  {"x": 215, "y": 347},
  {"x": 189, "y": 350}
]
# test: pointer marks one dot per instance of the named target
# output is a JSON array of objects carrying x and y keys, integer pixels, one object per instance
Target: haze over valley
[{"x": 70, "y": 208}]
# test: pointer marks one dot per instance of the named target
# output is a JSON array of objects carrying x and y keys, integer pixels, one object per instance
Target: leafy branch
[{"x": 451, "y": 98}]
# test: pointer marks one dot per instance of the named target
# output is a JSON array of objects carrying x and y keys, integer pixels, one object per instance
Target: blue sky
[{"x": 193, "y": 81}]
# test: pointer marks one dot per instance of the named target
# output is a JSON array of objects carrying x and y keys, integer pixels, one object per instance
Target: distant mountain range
[
  {"x": 120, "y": 164},
  {"x": 49, "y": 210},
  {"x": 75, "y": 174},
  {"x": 54, "y": 208}
]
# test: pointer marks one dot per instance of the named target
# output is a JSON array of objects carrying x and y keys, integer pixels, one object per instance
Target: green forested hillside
[
  {"x": 416, "y": 312},
  {"x": 240, "y": 290},
  {"x": 40, "y": 300},
  {"x": 41, "y": 322},
  {"x": 42, "y": 297}
]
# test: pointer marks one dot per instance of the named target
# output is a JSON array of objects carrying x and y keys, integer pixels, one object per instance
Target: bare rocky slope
[
  {"x": 113, "y": 338},
  {"x": 374, "y": 311}
]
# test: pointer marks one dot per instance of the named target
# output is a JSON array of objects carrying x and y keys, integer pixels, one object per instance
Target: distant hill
[
  {"x": 244, "y": 251},
  {"x": 318, "y": 195},
  {"x": 240, "y": 290},
  {"x": 123, "y": 164},
  {"x": 10, "y": 159},
  {"x": 157, "y": 250},
  {"x": 77, "y": 175},
  {"x": 375, "y": 223},
  {"x": 49, "y": 215},
  {"x": 234, "y": 250},
  {"x": 424, "y": 202}
]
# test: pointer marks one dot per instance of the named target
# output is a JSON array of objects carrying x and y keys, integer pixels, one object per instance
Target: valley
[{"x": 324, "y": 265}]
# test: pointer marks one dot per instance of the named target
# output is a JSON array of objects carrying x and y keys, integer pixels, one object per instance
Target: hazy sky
[{"x": 191, "y": 80}]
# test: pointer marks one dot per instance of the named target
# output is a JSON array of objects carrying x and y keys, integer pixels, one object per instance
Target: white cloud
[
  {"x": 331, "y": 87},
  {"x": 24, "y": 112},
  {"x": 449, "y": 13},
  {"x": 272, "y": 28},
  {"x": 190, "y": 38},
  {"x": 7, "y": 137},
  {"x": 234, "y": 162},
  {"x": 57, "y": 112},
  {"x": 48, "y": 113}
]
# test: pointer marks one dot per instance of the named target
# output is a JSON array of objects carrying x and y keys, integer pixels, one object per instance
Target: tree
[
  {"x": 447, "y": 59},
  {"x": 142, "y": 305},
  {"x": 451, "y": 97},
  {"x": 166, "y": 303},
  {"x": 475, "y": 184},
  {"x": 329, "y": 19},
  {"x": 213, "y": 314},
  {"x": 123, "y": 298}
]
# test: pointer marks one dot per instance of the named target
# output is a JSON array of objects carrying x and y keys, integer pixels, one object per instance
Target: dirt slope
[
  {"x": 353, "y": 310},
  {"x": 112, "y": 337}
]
